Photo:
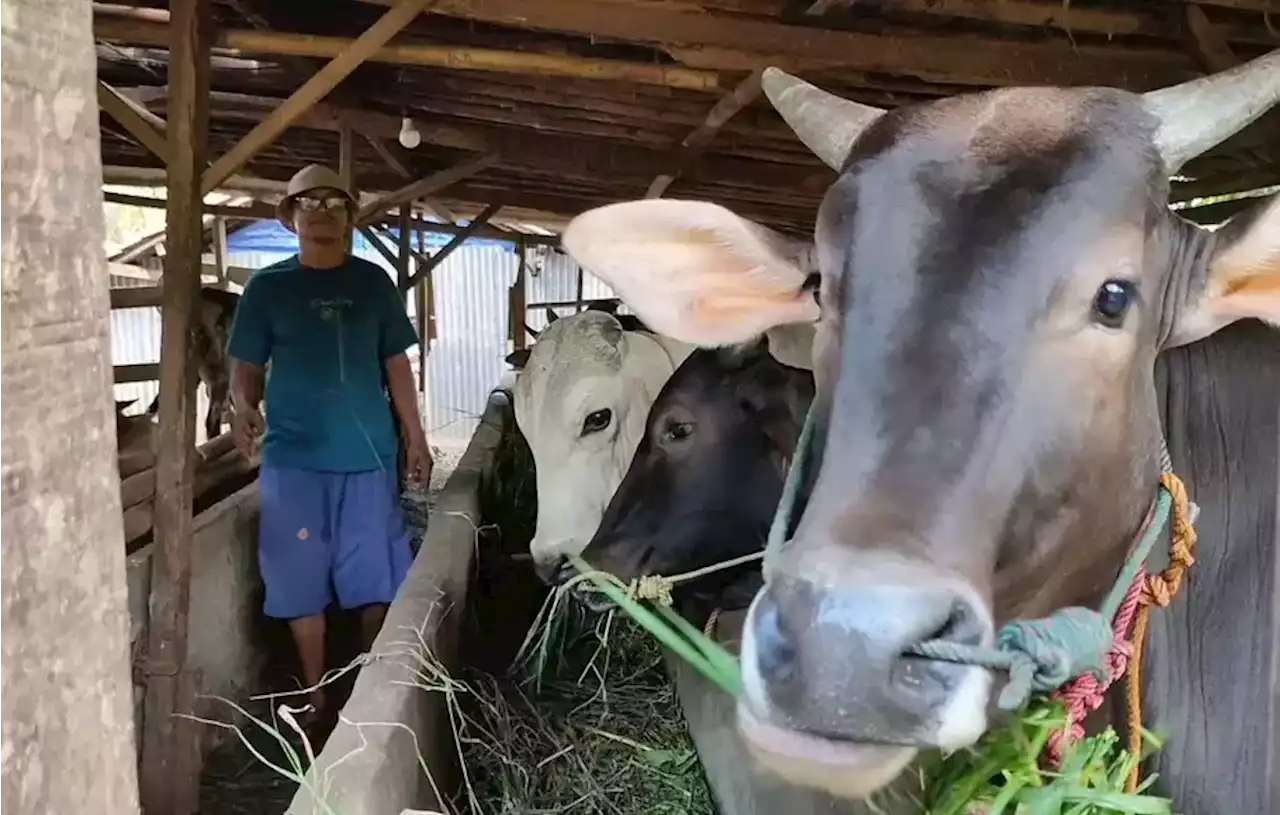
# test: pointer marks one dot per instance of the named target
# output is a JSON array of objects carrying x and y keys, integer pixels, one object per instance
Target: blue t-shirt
[{"x": 327, "y": 334}]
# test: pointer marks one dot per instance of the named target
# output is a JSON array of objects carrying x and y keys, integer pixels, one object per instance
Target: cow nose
[
  {"x": 554, "y": 570},
  {"x": 833, "y": 661}
]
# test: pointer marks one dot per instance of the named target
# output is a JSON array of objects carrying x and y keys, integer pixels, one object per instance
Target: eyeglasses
[{"x": 329, "y": 202}]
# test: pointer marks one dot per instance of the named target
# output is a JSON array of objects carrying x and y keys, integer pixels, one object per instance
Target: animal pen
[{"x": 456, "y": 121}]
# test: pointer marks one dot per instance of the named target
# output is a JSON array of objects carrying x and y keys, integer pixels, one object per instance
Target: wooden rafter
[
  {"x": 465, "y": 232},
  {"x": 747, "y": 91},
  {"x": 425, "y": 186},
  {"x": 141, "y": 123},
  {"x": 389, "y": 157},
  {"x": 721, "y": 42},
  {"x": 347, "y": 60},
  {"x": 462, "y": 58}
]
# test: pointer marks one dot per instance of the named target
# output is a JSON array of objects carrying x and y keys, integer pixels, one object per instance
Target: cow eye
[
  {"x": 596, "y": 421},
  {"x": 677, "y": 431},
  {"x": 1113, "y": 301}
]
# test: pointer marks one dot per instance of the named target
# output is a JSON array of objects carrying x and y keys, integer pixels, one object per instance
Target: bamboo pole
[
  {"x": 458, "y": 58},
  {"x": 346, "y": 60}
]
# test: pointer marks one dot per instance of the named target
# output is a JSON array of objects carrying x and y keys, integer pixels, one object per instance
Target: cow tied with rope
[{"x": 999, "y": 274}]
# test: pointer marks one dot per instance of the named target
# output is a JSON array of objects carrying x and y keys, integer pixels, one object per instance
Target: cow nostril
[
  {"x": 552, "y": 570},
  {"x": 775, "y": 650},
  {"x": 962, "y": 626}
]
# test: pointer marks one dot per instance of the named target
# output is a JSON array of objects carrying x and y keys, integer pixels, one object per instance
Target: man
[{"x": 334, "y": 330}]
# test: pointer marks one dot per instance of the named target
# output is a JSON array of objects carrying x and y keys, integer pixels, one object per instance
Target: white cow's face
[{"x": 581, "y": 403}]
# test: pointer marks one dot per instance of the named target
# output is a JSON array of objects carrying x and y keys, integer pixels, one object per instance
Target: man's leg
[
  {"x": 295, "y": 558},
  {"x": 371, "y": 617},
  {"x": 372, "y": 552}
]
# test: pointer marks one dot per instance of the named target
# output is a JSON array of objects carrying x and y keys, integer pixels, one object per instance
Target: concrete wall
[
  {"x": 224, "y": 596},
  {"x": 392, "y": 745}
]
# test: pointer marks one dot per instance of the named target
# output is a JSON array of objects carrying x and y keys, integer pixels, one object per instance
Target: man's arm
[
  {"x": 405, "y": 399},
  {"x": 248, "y": 384}
]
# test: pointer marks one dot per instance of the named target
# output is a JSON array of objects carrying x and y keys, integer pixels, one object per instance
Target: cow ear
[
  {"x": 517, "y": 359},
  {"x": 692, "y": 270},
  {"x": 1242, "y": 279}
]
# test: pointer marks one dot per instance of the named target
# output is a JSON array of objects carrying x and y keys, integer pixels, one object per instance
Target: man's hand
[
  {"x": 248, "y": 425},
  {"x": 418, "y": 461}
]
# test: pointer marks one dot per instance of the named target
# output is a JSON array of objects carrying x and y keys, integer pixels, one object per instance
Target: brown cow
[{"x": 999, "y": 272}]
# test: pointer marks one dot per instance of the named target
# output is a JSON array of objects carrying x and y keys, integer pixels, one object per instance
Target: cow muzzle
[{"x": 833, "y": 698}]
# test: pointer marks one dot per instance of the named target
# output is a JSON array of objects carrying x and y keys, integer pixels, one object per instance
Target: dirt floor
[{"x": 237, "y": 782}]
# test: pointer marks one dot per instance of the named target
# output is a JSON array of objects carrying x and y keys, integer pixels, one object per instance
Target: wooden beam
[
  {"x": 141, "y": 123},
  {"x": 138, "y": 247},
  {"x": 250, "y": 212},
  {"x": 709, "y": 40},
  {"x": 467, "y": 231},
  {"x": 315, "y": 89},
  {"x": 406, "y": 250},
  {"x": 458, "y": 58},
  {"x": 169, "y": 767},
  {"x": 424, "y": 329},
  {"x": 150, "y": 176},
  {"x": 219, "y": 242},
  {"x": 144, "y": 372},
  {"x": 139, "y": 297},
  {"x": 68, "y": 731},
  {"x": 347, "y": 171},
  {"x": 425, "y": 186},
  {"x": 376, "y": 241},
  {"x": 573, "y": 156},
  {"x": 384, "y": 152},
  {"x": 518, "y": 301},
  {"x": 747, "y": 91}
]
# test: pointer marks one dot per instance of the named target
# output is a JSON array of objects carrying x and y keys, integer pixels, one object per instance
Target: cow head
[
  {"x": 581, "y": 401},
  {"x": 709, "y": 469},
  {"x": 998, "y": 273}
]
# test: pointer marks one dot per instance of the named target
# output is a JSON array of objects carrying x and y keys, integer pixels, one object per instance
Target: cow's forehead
[
  {"x": 1006, "y": 125},
  {"x": 583, "y": 349}
]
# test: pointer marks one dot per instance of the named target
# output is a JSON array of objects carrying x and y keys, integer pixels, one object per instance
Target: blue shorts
[{"x": 319, "y": 532}]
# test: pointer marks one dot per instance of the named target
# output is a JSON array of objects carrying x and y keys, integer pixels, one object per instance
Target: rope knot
[
  {"x": 653, "y": 587},
  {"x": 1044, "y": 654}
]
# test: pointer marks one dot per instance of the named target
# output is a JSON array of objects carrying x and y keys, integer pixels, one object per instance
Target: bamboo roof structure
[{"x": 550, "y": 107}]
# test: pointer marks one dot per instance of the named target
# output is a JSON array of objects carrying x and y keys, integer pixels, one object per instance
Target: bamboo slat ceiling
[{"x": 520, "y": 78}]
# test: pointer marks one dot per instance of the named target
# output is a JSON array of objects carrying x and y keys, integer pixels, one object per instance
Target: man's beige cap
[{"x": 311, "y": 177}]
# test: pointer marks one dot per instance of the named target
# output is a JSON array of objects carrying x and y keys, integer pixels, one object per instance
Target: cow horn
[
  {"x": 1197, "y": 115},
  {"x": 827, "y": 124}
]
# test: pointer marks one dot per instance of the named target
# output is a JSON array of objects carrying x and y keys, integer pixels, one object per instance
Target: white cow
[{"x": 581, "y": 401}]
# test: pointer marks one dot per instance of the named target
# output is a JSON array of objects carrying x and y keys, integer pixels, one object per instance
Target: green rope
[{"x": 1043, "y": 655}]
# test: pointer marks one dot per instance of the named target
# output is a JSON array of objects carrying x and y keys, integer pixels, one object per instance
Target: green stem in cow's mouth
[{"x": 707, "y": 656}]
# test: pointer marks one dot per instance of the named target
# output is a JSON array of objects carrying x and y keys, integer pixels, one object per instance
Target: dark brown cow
[{"x": 999, "y": 274}]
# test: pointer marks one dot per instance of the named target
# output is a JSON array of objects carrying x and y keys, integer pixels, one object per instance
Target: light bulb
[{"x": 409, "y": 135}]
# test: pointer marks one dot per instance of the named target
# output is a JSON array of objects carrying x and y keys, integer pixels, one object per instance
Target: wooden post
[
  {"x": 347, "y": 172},
  {"x": 577, "y": 306},
  {"x": 405, "y": 250},
  {"x": 424, "y": 335},
  {"x": 166, "y": 774},
  {"x": 519, "y": 299},
  {"x": 68, "y": 703},
  {"x": 220, "y": 250}
]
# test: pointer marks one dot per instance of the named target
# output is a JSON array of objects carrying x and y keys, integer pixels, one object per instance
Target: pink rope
[{"x": 1084, "y": 694}]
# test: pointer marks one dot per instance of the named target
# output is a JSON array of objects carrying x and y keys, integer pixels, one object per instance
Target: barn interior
[{"x": 503, "y": 119}]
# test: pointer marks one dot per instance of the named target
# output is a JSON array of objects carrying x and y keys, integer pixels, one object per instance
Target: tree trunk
[{"x": 67, "y": 704}]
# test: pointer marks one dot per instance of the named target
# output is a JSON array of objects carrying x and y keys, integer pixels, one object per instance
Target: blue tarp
[{"x": 272, "y": 237}]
